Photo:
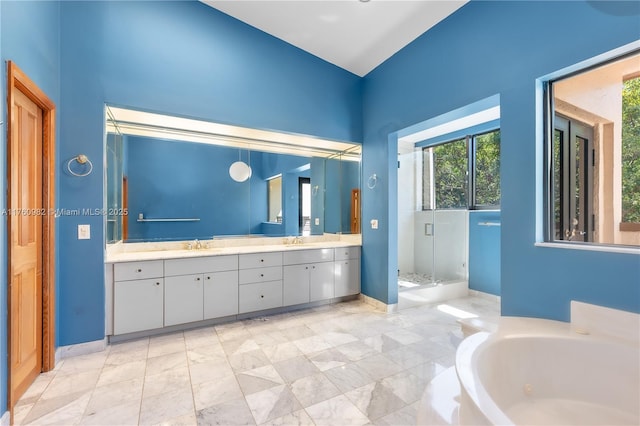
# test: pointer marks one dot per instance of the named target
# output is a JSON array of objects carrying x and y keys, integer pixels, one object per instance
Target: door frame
[{"x": 18, "y": 81}]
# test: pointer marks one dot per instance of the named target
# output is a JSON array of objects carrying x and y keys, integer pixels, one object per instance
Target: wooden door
[
  {"x": 30, "y": 231},
  {"x": 25, "y": 223},
  {"x": 355, "y": 211}
]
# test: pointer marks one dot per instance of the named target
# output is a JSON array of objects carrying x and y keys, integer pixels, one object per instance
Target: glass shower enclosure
[{"x": 432, "y": 215}]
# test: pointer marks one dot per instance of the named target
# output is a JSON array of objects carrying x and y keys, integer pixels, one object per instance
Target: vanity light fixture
[
  {"x": 240, "y": 171},
  {"x": 84, "y": 162}
]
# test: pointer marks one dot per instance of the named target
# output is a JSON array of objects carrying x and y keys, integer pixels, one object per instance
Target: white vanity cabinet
[
  {"x": 138, "y": 296},
  {"x": 200, "y": 288},
  {"x": 308, "y": 276},
  {"x": 149, "y": 295},
  {"x": 347, "y": 271}
]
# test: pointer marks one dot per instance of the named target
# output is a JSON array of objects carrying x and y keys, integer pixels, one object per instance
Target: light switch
[
  {"x": 374, "y": 223},
  {"x": 84, "y": 232},
  {"x": 317, "y": 222}
]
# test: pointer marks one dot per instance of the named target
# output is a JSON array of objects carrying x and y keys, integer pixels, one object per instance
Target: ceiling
[{"x": 352, "y": 34}]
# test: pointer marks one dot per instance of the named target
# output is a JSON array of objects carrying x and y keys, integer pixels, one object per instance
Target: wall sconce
[{"x": 84, "y": 162}]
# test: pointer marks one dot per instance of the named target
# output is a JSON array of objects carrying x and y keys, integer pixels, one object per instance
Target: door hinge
[
  {"x": 398, "y": 164},
  {"x": 593, "y": 158}
]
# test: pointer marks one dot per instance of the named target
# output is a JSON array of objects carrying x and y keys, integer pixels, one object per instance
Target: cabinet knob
[
  {"x": 261, "y": 260},
  {"x": 139, "y": 270},
  {"x": 208, "y": 278},
  {"x": 262, "y": 275},
  {"x": 262, "y": 296},
  {"x": 198, "y": 279},
  {"x": 157, "y": 283}
]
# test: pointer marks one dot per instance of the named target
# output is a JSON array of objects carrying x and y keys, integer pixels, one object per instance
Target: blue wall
[
  {"x": 483, "y": 49},
  {"x": 484, "y": 251},
  {"x": 29, "y": 37},
  {"x": 182, "y": 58}
]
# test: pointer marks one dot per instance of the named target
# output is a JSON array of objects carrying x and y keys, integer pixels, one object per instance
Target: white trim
[
  {"x": 456, "y": 124},
  {"x": 6, "y": 417},
  {"x": 381, "y": 306},
  {"x": 590, "y": 247},
  {"x": 63, "y": 352}
]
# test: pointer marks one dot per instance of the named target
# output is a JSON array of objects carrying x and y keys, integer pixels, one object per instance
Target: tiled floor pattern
[{"x": 343, "y": 364}]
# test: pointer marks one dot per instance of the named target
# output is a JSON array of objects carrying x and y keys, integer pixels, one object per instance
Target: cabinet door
[
  {"x": 220, "y": 294},
  {"x": 296, "y": 284},
  {"x": 321, "y": 284},
  {"x": 137, "y": 305},
  {"x": 183, "y": 299},
  {"x": 347, "y": 277}
]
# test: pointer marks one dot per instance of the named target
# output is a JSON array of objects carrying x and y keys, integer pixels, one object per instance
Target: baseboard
[
  {"x": 4, "y": 420},
  {"x": 484, "y": 295},
  {"x": 63, "y": 352},
  {"x": 380, "y": 306}
]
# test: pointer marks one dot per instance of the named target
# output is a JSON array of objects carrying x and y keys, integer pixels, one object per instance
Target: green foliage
[
  {"x": 450, "y": 174},
  {"x": 631, "y": 150},
  {"x": 488, "y": 169}
]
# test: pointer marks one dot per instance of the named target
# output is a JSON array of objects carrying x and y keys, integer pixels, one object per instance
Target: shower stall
[{"x": 433, "y": 223}]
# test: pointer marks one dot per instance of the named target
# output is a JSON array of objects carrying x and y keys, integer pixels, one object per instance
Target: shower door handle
[{"x": 428, "y": 229}]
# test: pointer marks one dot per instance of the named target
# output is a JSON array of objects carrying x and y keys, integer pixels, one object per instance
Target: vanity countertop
[{"x": 160, "y": 254}]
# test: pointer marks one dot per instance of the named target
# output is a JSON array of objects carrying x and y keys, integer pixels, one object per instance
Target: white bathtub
[{"x": 535, "y": 371}]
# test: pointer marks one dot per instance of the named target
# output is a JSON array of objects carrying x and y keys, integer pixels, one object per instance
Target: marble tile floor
[{"x": 342, "y": 364}]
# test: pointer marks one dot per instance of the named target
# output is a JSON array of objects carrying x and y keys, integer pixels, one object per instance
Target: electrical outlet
[
  {"x": 374, "y": 223},
  {"x": 317, "y": 221},
  {"x": 84, "y": 232}
]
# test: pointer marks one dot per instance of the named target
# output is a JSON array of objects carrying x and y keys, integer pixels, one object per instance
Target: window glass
[
  {"x": 487, "y": 169},
  {"x": 450, "y": 175},
  {"x": 631, "y": 150}
]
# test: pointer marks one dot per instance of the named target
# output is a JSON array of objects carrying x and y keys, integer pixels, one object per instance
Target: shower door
[{"x": 445, "y": 192}]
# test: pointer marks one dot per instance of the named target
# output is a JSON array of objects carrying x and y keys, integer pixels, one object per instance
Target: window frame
[{"x": 548, "y": 122}]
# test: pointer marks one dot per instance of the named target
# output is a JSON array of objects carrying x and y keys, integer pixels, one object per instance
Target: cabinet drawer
[
  {"x": 260, "y": 296},
  {"x": 343, "y": 253},
  {"x": 127, "y": 271},
  {"x": 200, "y": 265},
  {"x": 298, "y": 257},
  {"x": 258, "y": 260},
  {"x": 258, "y": 275}
]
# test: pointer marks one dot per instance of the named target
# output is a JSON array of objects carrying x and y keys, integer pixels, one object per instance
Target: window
[
  {"x": 448, "y": 174},
  {"x": 631, "y": 150},
  {"x": 593, "y": 154},
  {"x": 487, "y": 169},
  {"x": 274, "y": 199}
]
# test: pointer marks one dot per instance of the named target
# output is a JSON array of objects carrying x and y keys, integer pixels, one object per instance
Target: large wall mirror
[{"x": 171, "y": 178}]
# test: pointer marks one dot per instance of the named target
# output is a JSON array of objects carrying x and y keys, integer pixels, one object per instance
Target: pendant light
[{"x": 240, "y": 171}]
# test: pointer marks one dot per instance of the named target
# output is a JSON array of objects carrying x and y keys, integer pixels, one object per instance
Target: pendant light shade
[{"x": 240, "y": 171}]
